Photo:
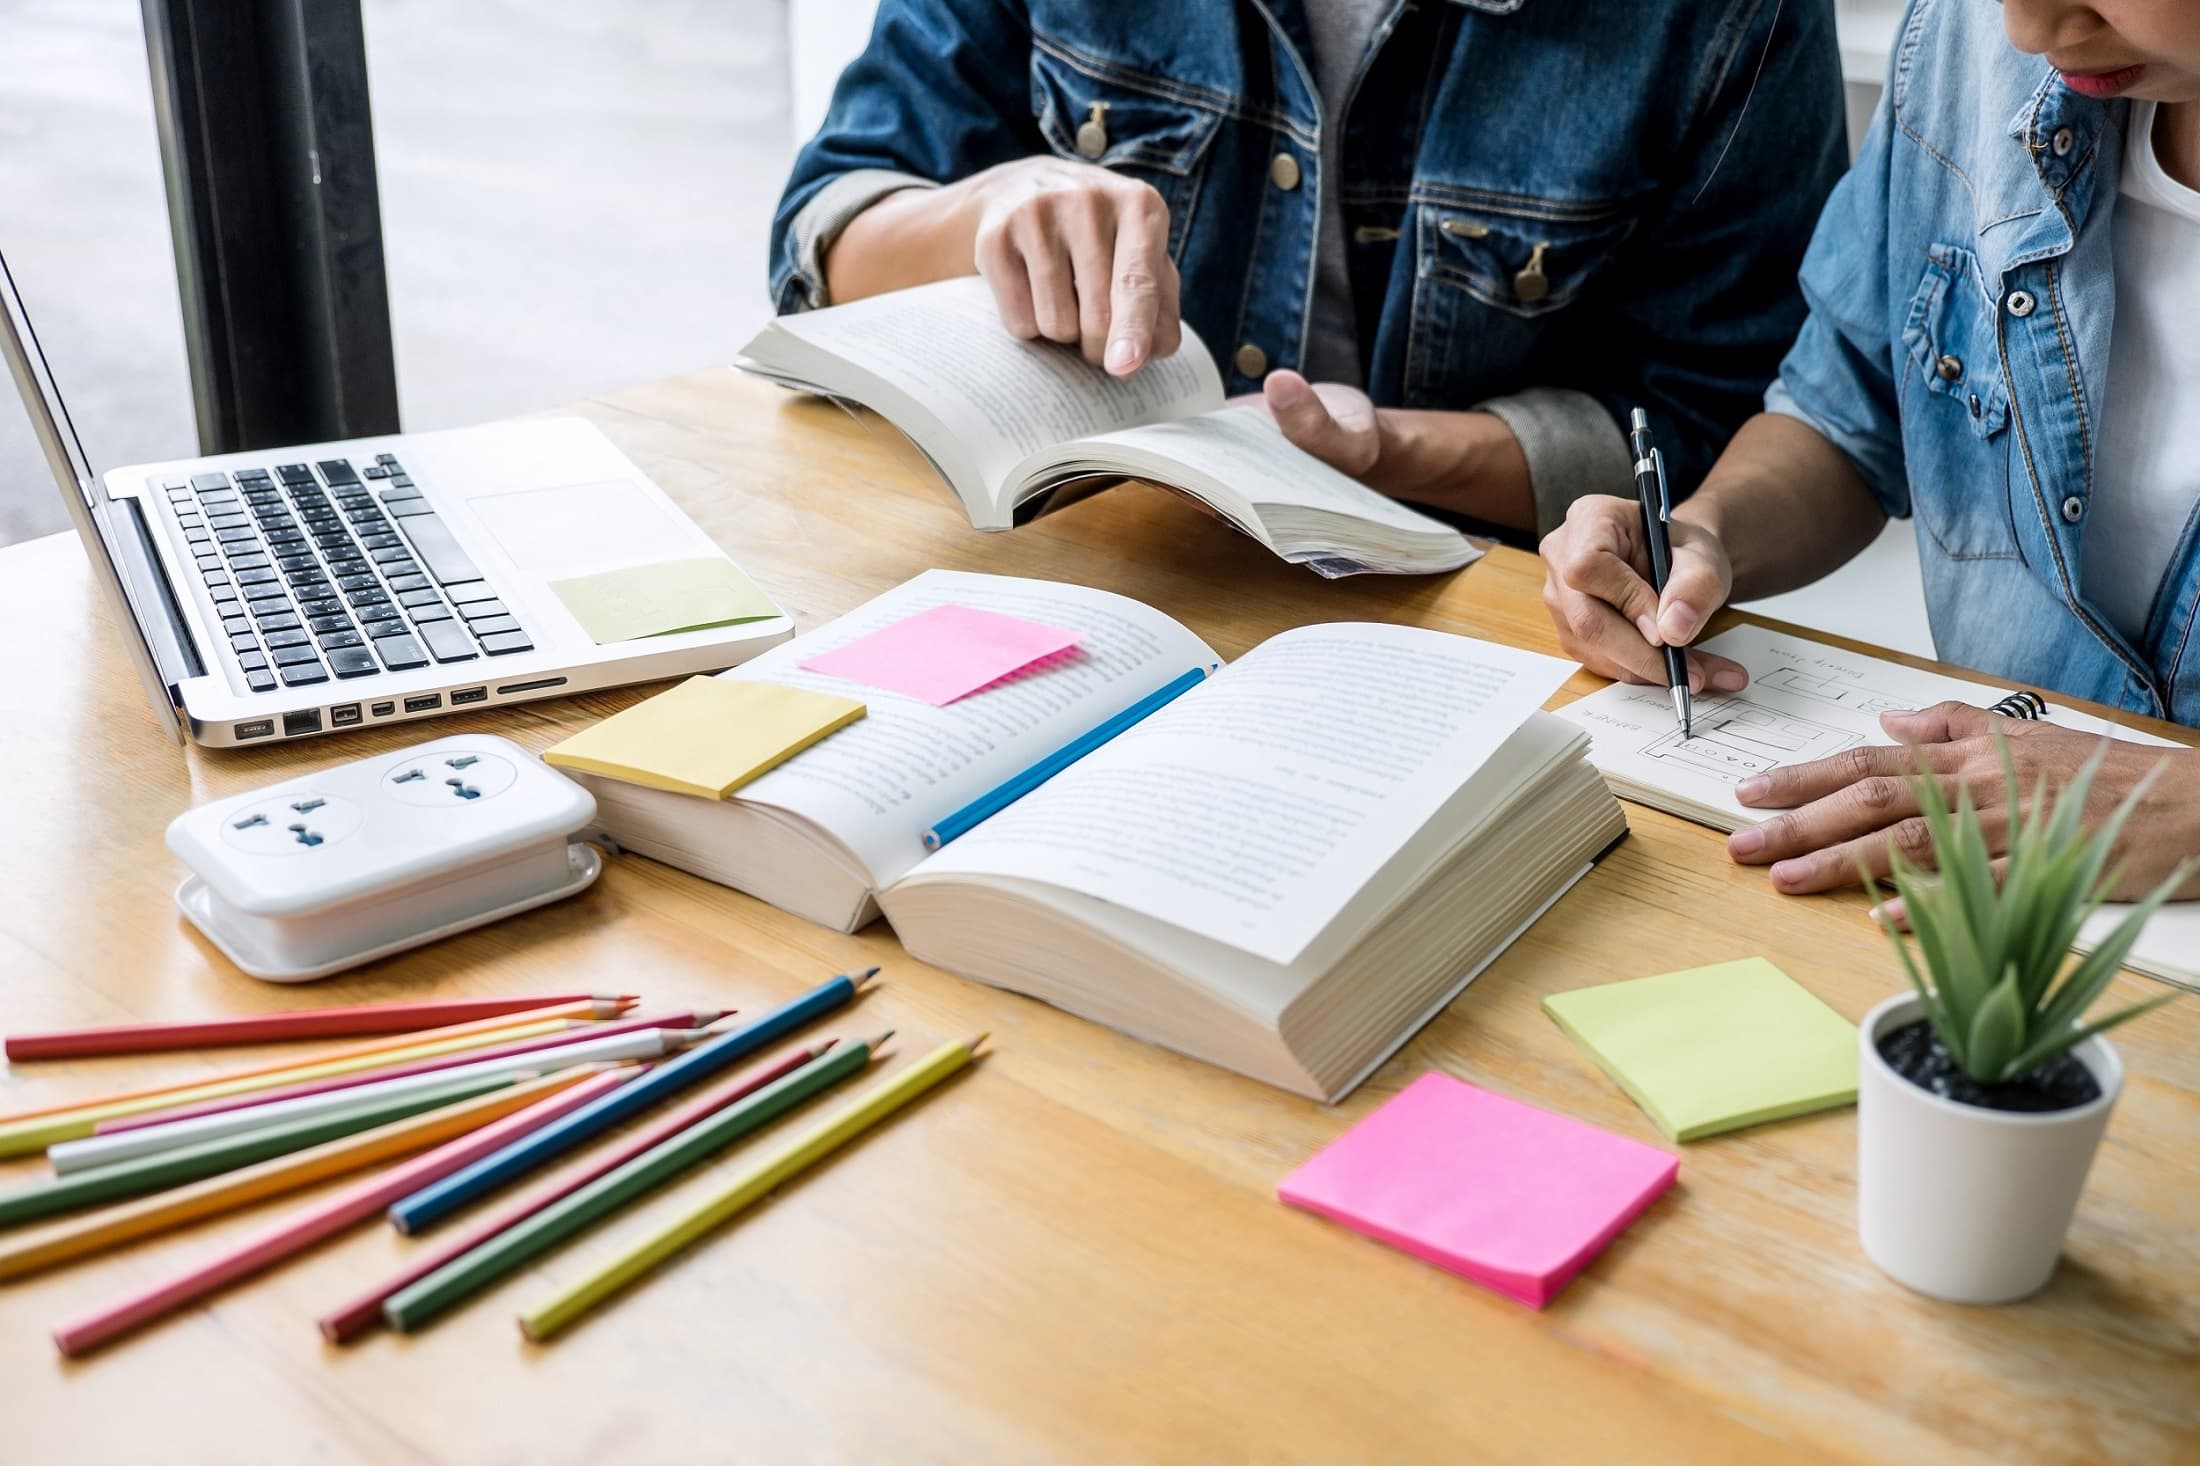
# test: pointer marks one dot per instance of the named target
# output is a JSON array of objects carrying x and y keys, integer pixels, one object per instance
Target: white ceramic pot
[{"x": 1961, "y": 1203}]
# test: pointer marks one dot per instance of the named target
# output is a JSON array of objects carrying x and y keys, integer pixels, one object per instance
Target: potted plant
[{"x": 1982, "y": 1094}]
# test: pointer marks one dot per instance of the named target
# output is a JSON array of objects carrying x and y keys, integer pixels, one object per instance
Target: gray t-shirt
[{"x": 1341, "y": 32}]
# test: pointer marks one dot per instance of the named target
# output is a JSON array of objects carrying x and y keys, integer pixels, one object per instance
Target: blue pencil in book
[{"x": 431, "y": 1204}]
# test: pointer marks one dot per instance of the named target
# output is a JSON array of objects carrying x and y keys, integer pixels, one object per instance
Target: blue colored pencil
[
  {"x": 431, "y": 1204},
  {"x": 993, "y": 801}
]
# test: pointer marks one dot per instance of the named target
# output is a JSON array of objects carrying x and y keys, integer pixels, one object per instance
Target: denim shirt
[
  {"x": 1961, "y": 290},
  {"x": 1609, "y": 196}
]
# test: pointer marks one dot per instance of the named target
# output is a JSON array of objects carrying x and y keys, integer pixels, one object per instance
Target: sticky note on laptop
[
  {"x": 660, "y": 599},
  {"x": 1511, "y": 1196},
  {"x": 1715, "y": 1048},
  {"x": 944, "y": 653},
  {"x": 706, "y": 737}
]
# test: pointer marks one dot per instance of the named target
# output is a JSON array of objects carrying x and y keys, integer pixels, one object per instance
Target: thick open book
[
  {"x": 1009, "y": 423},
  {"x": 1285, "y": 870},
  {"x": 1806, "y": 701}
]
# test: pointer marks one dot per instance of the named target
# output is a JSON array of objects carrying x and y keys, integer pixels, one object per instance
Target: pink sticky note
[
  {"x": 944, "y": 653},
  {"x": 1515, "y": 1198}
]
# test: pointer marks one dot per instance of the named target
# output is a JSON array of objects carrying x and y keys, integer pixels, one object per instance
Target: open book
[
  {"x": 1008, "y": 423},
  {"x": 1285, "y": 870},
  {"x": 1806, "y": 701}
]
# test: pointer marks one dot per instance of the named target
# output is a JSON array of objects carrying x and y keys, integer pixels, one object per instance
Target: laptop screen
[{"x": 89, "y": 509}]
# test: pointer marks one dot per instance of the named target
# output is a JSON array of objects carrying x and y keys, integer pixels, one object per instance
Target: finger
[
  {"x": 1695, "y": 586},
  {"x": 1846, "y": 814},
  {"x": 1710, "y": 672},
  {"x": 1791, "y": 786},
  {"x": 1895, "y": 912},
  {"x": 1591, "y": 557},
  {"x": 1168, "y": 324},
  {"x": 1053, "y": 287},
  {"x": 1944, "y": 722},
  {"x": 1601, "y": 639},
  {"x": 1135, "y": 291},
  {"x": 1090, "y": 236},
  {"x": 1002, "y": 268},
  {"x": 1846, "y": 864},
  {"x": 1299, "y": 410}
]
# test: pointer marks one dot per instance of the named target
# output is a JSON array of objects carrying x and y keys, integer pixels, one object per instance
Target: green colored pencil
[
  {"x": 467, "y": 1274},
  {"x": 227, "y": 1153}
]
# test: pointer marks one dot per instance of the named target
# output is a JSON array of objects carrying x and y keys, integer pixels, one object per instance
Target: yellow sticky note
[
  {"x": 1715, "y": 1048},
  {"x": 706, "y": 737},
  {"x": 657, "y": 600}
]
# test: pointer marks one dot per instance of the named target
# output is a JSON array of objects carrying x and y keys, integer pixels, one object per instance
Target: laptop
[{"x": 308, "y": 590}]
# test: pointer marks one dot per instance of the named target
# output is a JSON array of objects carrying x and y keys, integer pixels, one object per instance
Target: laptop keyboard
[{"x": 322, "y": 571}]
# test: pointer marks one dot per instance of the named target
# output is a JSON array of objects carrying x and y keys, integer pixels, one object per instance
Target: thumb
[
  {"x": 1945, "y": 722},
  {"x": 1696, "y": 586},
  {"x": 1297, "y": 408}
]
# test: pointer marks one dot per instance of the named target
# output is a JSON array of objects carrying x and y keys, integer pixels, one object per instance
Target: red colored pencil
[
  {"x": 326, "y": 1218},
  {"x": 152, "y": 1038},
  {"x": 365, "y": 1311},
  {"x": 685, "y": 1018}
]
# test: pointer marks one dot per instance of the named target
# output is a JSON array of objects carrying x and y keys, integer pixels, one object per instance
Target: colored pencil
[
  {"x": 429, "y": 1205},
  {"x": 420, "y": 1303},
  {"x": 322, "y": 1220},
  {"x": 71, "y": 1156},
  {"x": 365, "y": 1311},
  {"x": 20, "y": 1136},
  {"x": 207, "y": 1033},
  {"x": 173, "y": 1168},
  {"x": 748, "y": 1185},
  {"x": 501, "y": 1028},
  {"x": 98, "y": 1232},
  {"x": 352, "y": 1079}
]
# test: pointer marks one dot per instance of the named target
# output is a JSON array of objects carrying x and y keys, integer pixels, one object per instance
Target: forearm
[
  {"x": 908, "y": 238},
  {"x": 1465, "y": 462},
  {"x": 1787, "y": 505}
]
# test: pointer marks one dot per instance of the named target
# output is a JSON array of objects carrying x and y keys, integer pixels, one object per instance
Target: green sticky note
[
  {"x": 657, "y": 600},
  {"x": 1715, "y": 1048}
]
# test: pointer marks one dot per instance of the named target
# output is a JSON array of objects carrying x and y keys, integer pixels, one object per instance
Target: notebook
[
  {"x": 1016, "y": 427},
  {"x": 1807, "y": 700},
  {"x": 1284, "y": 870},
  {"x": 1511, "y": 1196}
]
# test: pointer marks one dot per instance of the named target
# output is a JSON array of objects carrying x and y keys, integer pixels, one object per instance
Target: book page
[
  {"x": 943, "y": 345},
  {"x": 879, "y": 783},
  {"x": 1252, "y": 810},
  {"x": 1805, "y": 701}
]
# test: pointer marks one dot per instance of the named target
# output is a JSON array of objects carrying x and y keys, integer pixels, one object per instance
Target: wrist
[{"x": 1465, "y": 462}]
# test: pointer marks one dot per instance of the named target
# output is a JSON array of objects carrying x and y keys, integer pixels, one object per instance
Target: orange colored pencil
[{"x": 365, "y": 1018}]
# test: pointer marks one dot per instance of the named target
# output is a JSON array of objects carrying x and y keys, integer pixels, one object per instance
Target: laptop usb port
[
  {"x": 469, "y": 694},
  {"x": 344, "y": 716},
  {"x": 295, "y": 724},
  {"x": 426, "y": 704}
]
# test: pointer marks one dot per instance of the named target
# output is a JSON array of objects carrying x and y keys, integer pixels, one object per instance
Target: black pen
[{"x": 1657, "y": 508}]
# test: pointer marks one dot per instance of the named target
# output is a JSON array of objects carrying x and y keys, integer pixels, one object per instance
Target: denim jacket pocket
[
  {"x": 1487, "y": 283},
  {"x": 1955, "y": 408},
  {"x": 1159, "y": 140}
]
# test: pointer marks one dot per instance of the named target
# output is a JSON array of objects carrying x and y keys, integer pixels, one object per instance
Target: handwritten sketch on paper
[{"x": 1736, "y": 737}]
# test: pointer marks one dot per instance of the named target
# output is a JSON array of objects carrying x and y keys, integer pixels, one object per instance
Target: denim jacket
[
  {"x": 1961, "y": 289},
  {"x": 1610, "y": 196}
]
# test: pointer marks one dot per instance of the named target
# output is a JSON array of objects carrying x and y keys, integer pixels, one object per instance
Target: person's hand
[
  {"x": 1596, "y": 585},
  {"x": 1078, "y": 255},
  {"x": 1850, "y": 811}
]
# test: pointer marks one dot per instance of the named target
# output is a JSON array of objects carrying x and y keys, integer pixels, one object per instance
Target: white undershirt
[{"x": 2147, "y": 467}]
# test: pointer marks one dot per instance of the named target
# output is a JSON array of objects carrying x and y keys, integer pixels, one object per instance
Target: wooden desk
[{"x": 1076, "y": 1253}]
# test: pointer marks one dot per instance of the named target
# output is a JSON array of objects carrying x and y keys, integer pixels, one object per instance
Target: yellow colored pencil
[
  {"x": 20, "y": 1136},
  {"x": 747, "y": 1186},
  {"x": 574, "y": 1015},
  {"x": 102, "y": 1229}
]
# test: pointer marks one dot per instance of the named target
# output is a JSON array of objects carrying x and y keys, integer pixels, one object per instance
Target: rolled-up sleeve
[
  {"x": 830, "y": 210},
  {"x": 1573, "y": 448}
]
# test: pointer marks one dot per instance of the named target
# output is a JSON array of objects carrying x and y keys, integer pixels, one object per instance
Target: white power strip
[{"x": 324, "y": 872}]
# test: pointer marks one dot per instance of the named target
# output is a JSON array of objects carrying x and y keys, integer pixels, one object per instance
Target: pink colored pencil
[
  {"x": 365, "y": 1311},
  {"x": 351, "y": 1205},
  {"x": 691, "y": 1018},
  {"x": 371, "y": 1018}
]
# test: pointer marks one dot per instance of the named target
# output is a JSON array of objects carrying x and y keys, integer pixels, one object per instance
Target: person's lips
[{"x": 2102, "y": 85}]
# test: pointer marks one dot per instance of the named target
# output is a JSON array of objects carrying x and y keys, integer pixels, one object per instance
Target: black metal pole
[{"x": 267, "y": 141}]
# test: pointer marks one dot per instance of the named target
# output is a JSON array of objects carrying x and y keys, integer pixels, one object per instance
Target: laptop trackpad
[{"x": 578, "y": 528}]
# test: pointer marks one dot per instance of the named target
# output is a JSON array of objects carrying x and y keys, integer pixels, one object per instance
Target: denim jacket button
[
  {"x": 2073, "y": 509},
  {"x": 1283, "y": 171},
  {"x": 2020, "y": 303},
  {"x": 1092, "y": 133},
  {"x": 1252, "y": 361},
  {"x": 1977, "y": 407},
  {"x": 1950, "y": 368},
  {"x": 2062, "y": 141}
]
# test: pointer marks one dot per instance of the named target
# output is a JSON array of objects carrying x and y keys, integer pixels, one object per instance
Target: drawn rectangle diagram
[{"x": 1737, "y": 738}]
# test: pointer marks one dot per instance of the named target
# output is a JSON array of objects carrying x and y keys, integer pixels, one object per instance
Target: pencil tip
[
  {"x": 819, "y": 1051},
  {"x": 981, "y": 1038},
  {"x": 880, "y": 1042},
  {"x": 866, "y": 975}
]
